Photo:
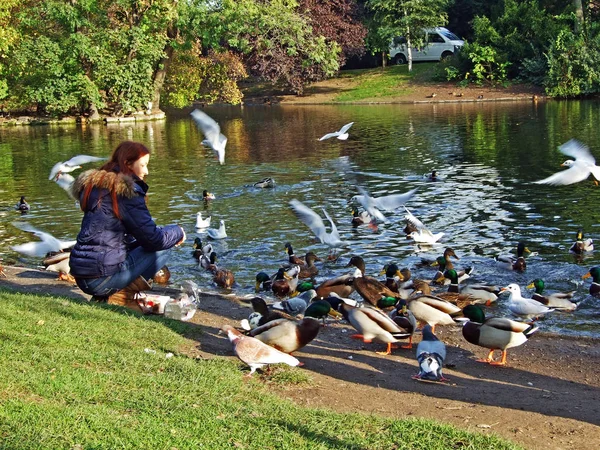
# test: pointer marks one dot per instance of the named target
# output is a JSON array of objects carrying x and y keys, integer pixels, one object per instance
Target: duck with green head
[
  {"x": 557, "y": 300},
  {"x": 433, "y": 310},
  {"x": 263, "y": 280},
  {"x": 582, "y": 245},
  {"x": 509, "y": 262},
  {"x": 476, "y": 293},
  {"x": 495, "y": 333},
  {"x": 594, "y": 272}
]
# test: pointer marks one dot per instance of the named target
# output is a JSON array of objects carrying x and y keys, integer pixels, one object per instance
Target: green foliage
[{"x": 487, "y": 65}]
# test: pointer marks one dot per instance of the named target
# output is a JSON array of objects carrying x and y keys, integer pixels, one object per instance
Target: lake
[{"x": 487, "y": 154}]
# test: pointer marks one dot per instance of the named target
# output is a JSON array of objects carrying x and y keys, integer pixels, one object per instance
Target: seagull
[
  {"x": 212, "y": 132},
  {"x": 431, "y": 353},
  {"x": 342, "y": 135},
  {"x": 373, "y": 205},
  {"x": 217, "y": 234},
  {"x": 422, "y": 235},
  {"x": 524, "y": 307},
  {"x": 578, "y": 170},
  {"x": 65, "y": 181},
  {"x": 74, "y": 163},
  {"x": 40, "y": 249},
  {"x": 313, "y": 221},
  {"x": 202, "y": 223},
  {"x": 255, "y": 353}
]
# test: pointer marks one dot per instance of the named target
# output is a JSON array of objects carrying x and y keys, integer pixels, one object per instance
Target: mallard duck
[
  {"x": 557, "y": 300},
  {"x": 363, "y": 218},
  {"x": 392, "y": 273},
  {"x": 369, "y": 288},
  {"x": 433, "y": 310},
  {"x": 59, "y": 262},
  {"x": 423, "y": 235},
  {"x": 289, "y": 335},
  {"x": 495, "y": 333},
  {"x": 254, "y": 352},
  {"x": 263, "y": 279},
  {"x": 202, "y": 223},
  {"x": 581, "y": 244},
  {"x": 594, "y": 272},
  {"x": 431, "y": 353},
  {"x": 309, "y": 270},
  {"x": 372, "y": 323},
  {"x": 342, "y": 285},
  {"x": 304, "y": 286},
  {"x": 206, "y": 196},
  {"x": 209, "y": 262},
  {"x": 162, "y": 276},
  {"x": 217, "y": 234},
  {"x": 433, "y": 176},
  {"x": 265, "y": 183},
  {"x": 292, "y": 258},
  {"x": 405, "y": 319},
  {"x": 285, "y": 281},
  {"x": 523, "y": 307},
  {"x": 296, "y": 305},
  {"x": 22, "y": 205},
  {"x": 223, "y": 277},
  {"x": 509, "y": 262},
  {"x": 201, "y": 249},
  {"x": 261, "y": 314},
  {"x": 444, "y": 264},
  {"x": 474, "y": 293}
]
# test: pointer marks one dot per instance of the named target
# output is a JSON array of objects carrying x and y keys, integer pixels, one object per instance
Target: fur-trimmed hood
[{"x": 125, "y": 185}]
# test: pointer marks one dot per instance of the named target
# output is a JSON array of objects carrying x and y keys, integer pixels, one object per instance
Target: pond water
[{"x": 487, "y": 153}]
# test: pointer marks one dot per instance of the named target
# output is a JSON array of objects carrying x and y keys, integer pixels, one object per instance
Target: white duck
[
  {"x": 217, "y": 234},
  {"x": 578, "y": 169},
  {"x": 524, "y": 307},
  {"x": 212, "y": 132}
]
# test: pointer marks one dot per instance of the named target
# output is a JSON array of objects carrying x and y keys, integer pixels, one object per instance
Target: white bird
[
  {"x": 212, "y": 132},
  {"x": 65, "y": 181},
  {"x": 524, "y": 307},
  {"x": 59, "y": 263},
  {"x": 313, "y": 221},
  {"x": 217, "y": 234},
  {"x": 578, "y": 170},
  {"x": 40, "y": 249},
  {"x": 373, "y": 205},
  {"x": 255, "y": 353},
  {"x": 423, "y": 235},
  {"x": 202, "y": 223},
  {"x": 341, "y": 135},
  {"x": 74, "y": 163}
]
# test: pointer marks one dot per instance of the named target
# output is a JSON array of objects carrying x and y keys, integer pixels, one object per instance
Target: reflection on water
[{"x": 487, "y": 155}]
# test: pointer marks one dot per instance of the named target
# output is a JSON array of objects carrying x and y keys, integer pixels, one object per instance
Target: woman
[{"x": 119, "y": 246}]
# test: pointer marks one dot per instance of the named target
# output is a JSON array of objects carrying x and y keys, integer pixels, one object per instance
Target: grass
[{"x": 77, "y": 375}]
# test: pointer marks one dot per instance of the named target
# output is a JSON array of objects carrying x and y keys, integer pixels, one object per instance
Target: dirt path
[{"x": 547, "y": 398}]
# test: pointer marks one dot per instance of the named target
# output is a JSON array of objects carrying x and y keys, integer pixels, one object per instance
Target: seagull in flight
[
  {"x": 313, "y": 221},
  {"x": 422, "y": 235},
  {"x": 578, "y": 169},
  {"x": 69, "y": 166},
  {"x": 40, "y": 249},
  {"x": 342, "y": 135},
  {"x": 374, "y": 205},
  {"x": 212, "y": 132}
]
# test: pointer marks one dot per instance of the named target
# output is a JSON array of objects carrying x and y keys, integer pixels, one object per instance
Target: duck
[
  {"x": 265, "y": 183},
  {"x": 254, "y": 353},
  {"x": 2, "y": 273},
  {"x": 289, "y": 335},
  {"x": 594, "y": 272},
  {"x": 523, "y": 307},
  {"x": 476, "y": 293},
  {"x": 444, "y": 264},
  {"x": 342, "y": 285},
  {"x": 263, "y": 280},
  {"x": 448, "y": 253},
  {"x": 261, "y": 314},
  {"x": 309, "y": 270},
  {"x": 202, "y": 223},
  {"x": 201, "y": 249},
  {"x": 369, "y": 288},
  {"x": 221, "y": 233},
  {"x": 59, "y": 262},
  {"x": 296, "y": 305},
  {"x": 433, "y": 176},
  {"x": 392, "y": 272},
  {"x": 285, "y": 282},
  {"x": 162, "y": 276},
  {"x": 581, "y": 244},
  {"x": 495, "y": 333},
  {"x": 292, "y": 258},
  {"x": 434, "y": 311},
  {"x": 557, "y": 300},
  {"x": 509, "y": 262},
  {"x": 223, "y": 278},
  {"x": 363, "y": 218},
  {"x": 209, "y": 262},
  {"x": 405, "y": 319},
  {"x": 372, "y": 323},
  {"x": 22, "y": 205},
  {"x": 431, "y": 353},
  {"x": 206, "y": 196}
]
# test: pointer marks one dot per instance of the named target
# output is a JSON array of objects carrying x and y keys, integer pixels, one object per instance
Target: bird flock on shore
[{"x": 388, "y": 310}]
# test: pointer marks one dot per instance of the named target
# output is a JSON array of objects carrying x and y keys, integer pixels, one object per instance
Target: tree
[{"x": 408, "y": 18}]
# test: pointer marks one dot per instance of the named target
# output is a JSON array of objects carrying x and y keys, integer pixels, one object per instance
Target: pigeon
[
  {"x": 422, "y": 235},
  {"x": 296, "y": 305},
  {"x": 47, "y": 245},
  {"x": 341, "y": 135},
  {"x": 202, "y": 223},
  {"x": 374, "y": 205},
  {"x": 212, "y": 132},
  {"x": 431, "y": 353},
  {"x": 74, "y": 163},
  {"x": 254, "y": 352},
  {"x": 217, "y": 234},
  {"x": 578, "y": 170},
  {"x": 313, "y": 221}
]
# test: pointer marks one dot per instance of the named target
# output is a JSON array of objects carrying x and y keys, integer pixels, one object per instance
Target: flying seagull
[
  {"x": 69, "y": 166},
  {"x": 212, "y": 132},
  {"x": 578, "y": 169},
  {"x": 373, "y": 205},
  {"x": 342, "y": 135},
  {"x": 313, "y": 221},
  {"x": 423, "y": 235},
  {"x": 40, "y": 249}
]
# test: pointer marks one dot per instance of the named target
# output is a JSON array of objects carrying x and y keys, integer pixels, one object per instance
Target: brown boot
[{"x": 128, "y": 296}]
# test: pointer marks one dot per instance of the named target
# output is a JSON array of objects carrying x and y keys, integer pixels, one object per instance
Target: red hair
[{"x": 121, "y": 160}]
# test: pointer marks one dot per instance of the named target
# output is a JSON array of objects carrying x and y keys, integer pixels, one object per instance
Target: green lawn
[{"x": 76, "y": 375}]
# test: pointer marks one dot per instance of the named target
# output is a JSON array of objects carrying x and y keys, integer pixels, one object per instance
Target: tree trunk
[
  {"x": 579, "y": 16},
  {"x": 159, "y": 77},
  {"x": 383, "y": 59}
]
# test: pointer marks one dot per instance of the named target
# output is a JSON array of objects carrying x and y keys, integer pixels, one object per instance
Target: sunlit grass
[{"x": 77, "y": 375}]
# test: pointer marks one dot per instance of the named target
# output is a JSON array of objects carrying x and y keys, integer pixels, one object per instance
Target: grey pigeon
[{"x": 431, "y": 353}]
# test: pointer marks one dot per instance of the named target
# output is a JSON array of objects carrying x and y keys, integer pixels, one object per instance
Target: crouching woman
[{"x": 119, "y": 246}]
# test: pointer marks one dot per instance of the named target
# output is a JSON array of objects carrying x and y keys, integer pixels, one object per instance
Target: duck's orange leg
[
  {"x": 489, "y": 359},
  {"x": 390, "y": 346},
  {"x": 409, "y": 345},
  {"x": 502, "y": 361}
]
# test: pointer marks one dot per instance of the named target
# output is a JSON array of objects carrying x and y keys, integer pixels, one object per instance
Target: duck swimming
[
  {"x": 22, "y": 205},
  {"x": 557, "y": 300},
  {"x": 265, "y": 183},
  {"x": 581, "y": 244},
  {"x": 509, "y": 262}
]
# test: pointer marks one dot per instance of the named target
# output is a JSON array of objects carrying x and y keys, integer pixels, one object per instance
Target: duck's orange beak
[{"x": 587, "y": 275}]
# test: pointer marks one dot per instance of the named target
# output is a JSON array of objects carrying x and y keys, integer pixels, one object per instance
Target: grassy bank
[{"x": 76, "y": 375}]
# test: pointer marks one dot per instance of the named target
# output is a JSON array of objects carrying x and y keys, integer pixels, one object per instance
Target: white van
[{"x": 439, "y": 43}]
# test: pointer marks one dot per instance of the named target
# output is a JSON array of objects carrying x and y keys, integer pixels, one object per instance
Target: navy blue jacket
[{"x": 105, "y": 239}]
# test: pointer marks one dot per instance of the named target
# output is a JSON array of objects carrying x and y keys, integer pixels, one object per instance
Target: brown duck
[
  {"x": 309, "y": 270},
  {"x": 368, "y": 287}
]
